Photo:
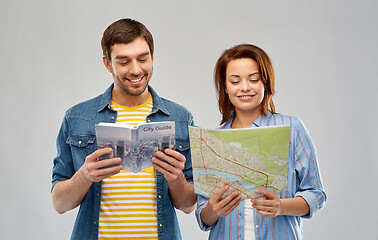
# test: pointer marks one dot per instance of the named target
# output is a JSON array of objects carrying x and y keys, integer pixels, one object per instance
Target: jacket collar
[{"x": 158, "y": 104}]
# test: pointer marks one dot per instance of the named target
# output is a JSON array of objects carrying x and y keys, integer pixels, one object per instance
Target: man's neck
[{"x": 128, "y": 100}]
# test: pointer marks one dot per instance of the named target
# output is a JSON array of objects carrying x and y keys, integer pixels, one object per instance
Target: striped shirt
[
  {"x": 128, "y": 201},
  {"x": 303, "y": 180}
]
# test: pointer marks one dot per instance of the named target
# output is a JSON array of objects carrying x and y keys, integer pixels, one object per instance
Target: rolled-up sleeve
[
  {"x": 309, "y": 185},
  {"x": 201, "y": 203},
  {"x": 62, "y": 165}
]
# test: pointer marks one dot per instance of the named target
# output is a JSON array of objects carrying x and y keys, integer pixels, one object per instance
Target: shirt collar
[
  {"x": 261, "y": 120},
  {"x": 158, "y": 104}
]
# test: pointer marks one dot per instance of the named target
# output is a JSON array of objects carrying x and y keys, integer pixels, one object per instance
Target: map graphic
[{"x": 245, "y": 159}]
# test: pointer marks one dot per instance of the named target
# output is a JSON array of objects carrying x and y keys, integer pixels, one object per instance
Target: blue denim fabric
[{"x": 77, "y": 139}]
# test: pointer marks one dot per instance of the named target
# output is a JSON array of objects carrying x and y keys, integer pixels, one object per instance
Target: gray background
[{"x": 324, "y": 54}]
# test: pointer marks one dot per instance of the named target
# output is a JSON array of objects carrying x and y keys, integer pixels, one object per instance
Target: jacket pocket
[
  {"x": 182, "y": 145},
  {"x": 81, "y": 146},
  {"x": 81, "y": 141}
]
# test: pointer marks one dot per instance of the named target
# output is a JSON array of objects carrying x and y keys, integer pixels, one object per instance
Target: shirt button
[
  {"x": 161, "y": 225},
  {"x": 257, "y": 226}
]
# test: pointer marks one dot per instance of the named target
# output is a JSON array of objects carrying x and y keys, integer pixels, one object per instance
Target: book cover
[
  {"x": 245, "y": 159},
  {"x": 135, "y": 145}
]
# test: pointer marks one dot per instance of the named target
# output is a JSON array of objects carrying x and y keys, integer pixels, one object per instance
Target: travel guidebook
[
  {"x": 245, "y": 159},
  {"x": 135, "y": 145}
]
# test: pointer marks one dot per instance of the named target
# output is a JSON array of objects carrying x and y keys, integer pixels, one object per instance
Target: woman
[{"x": 244, "y": 80}]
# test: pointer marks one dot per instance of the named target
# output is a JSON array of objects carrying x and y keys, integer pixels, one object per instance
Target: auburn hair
[{"x": 266, "y": 73}]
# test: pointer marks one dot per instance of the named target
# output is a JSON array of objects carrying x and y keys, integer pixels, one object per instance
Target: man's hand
[
  {"x": 171, "y": 163},
  {"x": 172, "y": 166},
  {"x": 95, "y": 170},
  {"x": 68, "y": 194}
]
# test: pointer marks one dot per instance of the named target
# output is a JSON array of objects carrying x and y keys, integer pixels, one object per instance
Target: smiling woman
[
  {"x": 244, "y": 79},
  {"x": 244, "y": 88}
]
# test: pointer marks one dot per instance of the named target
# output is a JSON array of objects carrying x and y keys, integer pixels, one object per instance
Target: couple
[{"x": 117, "y": 204}]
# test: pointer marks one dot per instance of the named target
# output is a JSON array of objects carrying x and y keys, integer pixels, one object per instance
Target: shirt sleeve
[
  {"x": 201, "y": 203},
  {"x": 63, "y": 168},
  {"x": 309, "y": 183}
]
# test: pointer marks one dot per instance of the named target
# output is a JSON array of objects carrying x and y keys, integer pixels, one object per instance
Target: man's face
[{"x": 131, "y": 67}]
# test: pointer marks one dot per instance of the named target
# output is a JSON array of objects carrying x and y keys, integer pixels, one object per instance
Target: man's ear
[{"x": 107, "y": 64}]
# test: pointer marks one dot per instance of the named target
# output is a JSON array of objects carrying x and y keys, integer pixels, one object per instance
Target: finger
[
  {"x": 161, "y": 169},
  {"x": 264, "y": 208},
  {"x": 167, "y": 166},
  {"x": 267, "y": 193},
  {"x": 218, "y": 195},
  {"x": 106, "y": 163},
  {"x": 175, "y": 154},
  {"x": 106, "y": 172},
  {"x": 98, "y": 153},
  {"x": 264, "y": 202},
  {"x": 266, "y": 214},
  {"x": 232, "y": 205},
  {"x": 171, "y": 155},
  {"x": 171, "y": 177},
  {"x": 230, "y": 196}
]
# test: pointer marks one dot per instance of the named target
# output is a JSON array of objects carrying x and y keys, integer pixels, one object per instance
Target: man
[{"x": 115, "y": 203}]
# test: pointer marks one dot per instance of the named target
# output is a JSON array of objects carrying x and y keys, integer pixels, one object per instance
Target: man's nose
[{"x": 135, "y": 69}]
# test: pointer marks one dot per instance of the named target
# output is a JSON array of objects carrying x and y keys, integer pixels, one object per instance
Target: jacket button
[
  {"x": 79, "y": 142},
  {"x": 159, "y": 196},
  {"x": 161, "y": 225}
]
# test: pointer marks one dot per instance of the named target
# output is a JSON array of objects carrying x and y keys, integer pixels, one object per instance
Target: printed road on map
[{"x": 245, "y": 159}]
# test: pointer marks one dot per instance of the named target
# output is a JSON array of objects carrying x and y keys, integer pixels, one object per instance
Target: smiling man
[{"x": 115, "y": 203}]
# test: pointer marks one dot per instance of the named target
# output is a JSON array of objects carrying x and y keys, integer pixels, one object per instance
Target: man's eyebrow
[{"x": 126, "y": 57}]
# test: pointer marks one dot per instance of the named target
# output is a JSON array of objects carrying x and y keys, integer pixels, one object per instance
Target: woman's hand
[
  {"x": 270, "y": 206},
  {"x": 218, "y": 207}
]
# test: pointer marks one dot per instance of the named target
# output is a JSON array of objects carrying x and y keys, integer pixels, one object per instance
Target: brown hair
[
  {"x": 266, "y": 72},
  {"x": 125, "y": 31}
]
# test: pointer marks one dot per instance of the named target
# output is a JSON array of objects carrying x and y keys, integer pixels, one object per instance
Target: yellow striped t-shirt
[{"x": 128, "y": 202}]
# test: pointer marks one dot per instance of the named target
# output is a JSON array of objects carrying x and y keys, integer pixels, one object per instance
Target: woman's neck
[{"x": 244, "y": 119}]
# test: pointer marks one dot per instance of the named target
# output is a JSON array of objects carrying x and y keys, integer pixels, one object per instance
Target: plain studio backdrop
[{"x": 324, "y": 54}]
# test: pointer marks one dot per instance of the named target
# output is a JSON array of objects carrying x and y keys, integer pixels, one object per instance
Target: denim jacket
[{"x": 77, "y": 139}]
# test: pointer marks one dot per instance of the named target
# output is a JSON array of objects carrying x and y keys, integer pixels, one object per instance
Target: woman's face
[{"x": 244, "y": 86}]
